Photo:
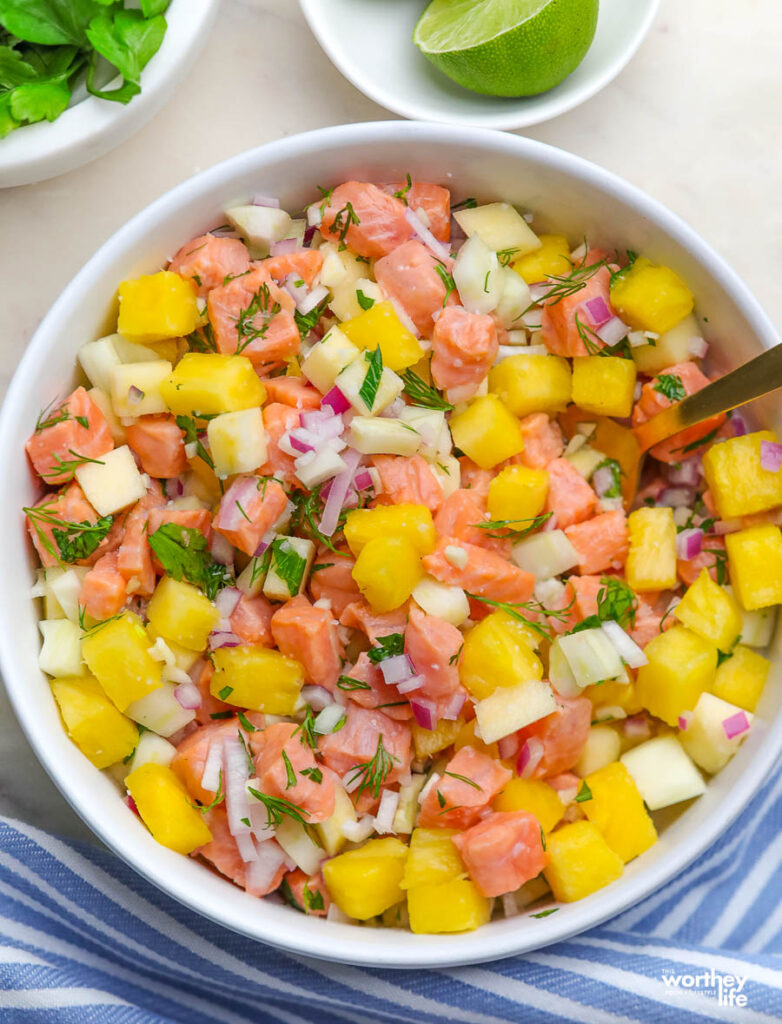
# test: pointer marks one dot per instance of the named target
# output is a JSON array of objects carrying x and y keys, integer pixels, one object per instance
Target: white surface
[
  {"x": 563, "y": 190},
  {"x": 370, "y": 41},
  {"x": 91, "y": 128}
]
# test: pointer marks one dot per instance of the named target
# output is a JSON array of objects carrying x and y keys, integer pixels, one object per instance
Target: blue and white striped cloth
[{"x": 83, "y": 939}]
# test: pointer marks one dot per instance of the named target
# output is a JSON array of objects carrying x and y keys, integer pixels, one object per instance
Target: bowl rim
[
  {"x": 91, "y": 127},
  {"x": 544, "y": 107},
  {"x": 338, "y": 942}
]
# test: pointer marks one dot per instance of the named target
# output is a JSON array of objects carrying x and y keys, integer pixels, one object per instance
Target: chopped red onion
[
  {"x": 261, "y": 200},
  {"x": 602, "y": 480},
  {"x": 411, "y": 684},
  {"x": 637, "y": 727},
  {"x": 284, "y": 247},
  {"x": 739, "y": 424},
  {"x": 687, "y": 473},
  {"x": 404, "y": 317},
  {"x": 335, "y": 400},
  {"x": 612, "y": 332},
  {"x": 320, "y": 423},
  {"x": 735, "y": 725},
  {"x": 441, "y": 251},
  {"x": 770, "y": 456},
  {"x": 313, "y": 299},
  {"x": 451, "y": 710},
  {"x": 239, "y": 495},
  {"x": 317, "y": 697},
  {"x": 299, "y": 446},
  {"x": 363, "y": 480},
  {"x": 384, "y": 819},
  {"x": 429, "y": 785},
  {"x": 227, "y": 600},
  {"x": 684, "y": 720},
  {"x": 223, "y": 638},
  {"x": 689, "y": 544},
  {"x": 395, "y": 409},
  {"x": 676, "y": 497},
  {"x": 598, "y": 310},
  {"x": 174, "y": 488},
  {"x": 529, "y": 757},
  {"x": 508, "y": 746},
  {"x": 309, "y": 234},
  {"x": 295, "y": 287},
  {"x": 396, "y": 669},
  {"x": 188, "y": 695},
  {"x": 627, "y": 649},
  {"x": 697, "y": 347},
  {"x": 210, "y": 776},
  {"x": 338, "y": 492},
  {"x": 134, "y": 394},
  {"x": 131, "y": 803},
  {"x": 264, "y": 867},
  {"x": 221, "y": 549},
  {"x": 425, "y": 713}
]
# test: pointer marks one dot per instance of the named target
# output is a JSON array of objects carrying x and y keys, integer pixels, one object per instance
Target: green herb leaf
[
  {"x": 225, "y": 693},
  {"x": 562, "y": 286},
  {"x": 402, "y": 192},
  {"x": 615, "y": 490},
  {"x": 505, "y": 527},
  {"x": 440, "y": 798},
  {"x": 373, "y": 773},
  {"x": 307, "y": 730},
  {"x": 463, "y": 778},
  {"x": 50, "y": 22},
  {"x": 617, "y": 275},
  {"x": 447, "y": 279},
  {"x": 188, "y": 425},
  {"x": 182, "y": 551},
  {"x": 545, "y": 913},
  {"x": 290, "y": 774},
  {"x": 306, "y": 321},
  {"x": 671, "y": 386},
  {"x": 289, "y": 564},
  {"x": 368, "y": 390},
  {"x": 387, "y": 647},
  {"x": 313, "y": 774},
  {"x": 348, "y": 683},
  {"x": 365, "y": 301},
  {"x": 277, "y": 807},
  {"x": 422, "y": 394},
  {"x": 313, "y": 900},
  {"x": 127, "y": 40},
  {"x": 248, "y": 327},
  {"x": 245, "y": 722},
  {"x": 584, "y": 794}
]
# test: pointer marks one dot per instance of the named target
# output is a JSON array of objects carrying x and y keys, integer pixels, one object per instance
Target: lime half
[{"x": 507, "y": 47}]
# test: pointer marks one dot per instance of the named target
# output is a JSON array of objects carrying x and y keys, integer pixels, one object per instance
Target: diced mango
[
  {"x": 257, "y": 678},
  {"x": 101, "y": 733},
  {"x": 535, "y": 796},
  {"x": 604, "y": 384},
  {"x": 517, "y": 493},
  {"x": 413, "y": 522},
  {"x": 210, "y": 383},
  {"x": 495, "y": 654},
  {"x": 466, "y": 737},
  {"x": 387, "y": 571},
  {"x": 166, "y": 809},
  {"x": 681, "y": 666},
  {"x": 432, "y": 858},
  {"x": 613, "y": 694},
  {"x": 182, "y": 613},
  {"x": 532, "y": 383},
  {"x": 380, "y": 325},
  {"x": 580, "y": 861},
  {"x": 617, "y": 808},
  {"x": 157, "y": 306},
  {"x": 367, "y": 881},
  {"x": 710, "y": 611},
  {"x": 552, "y": 258},
  {"x": 650, "y": 297},
  {"x": 431, "y": 741},
  {"x": 651, "y": 560},
  {"x": 487, "y": 432},
  {"x": 454, "y": 906},
  {"x": 740, "y": 679},
  {"x": 118, "y": 656},
  {"x": 738, "y": 483},
  {"x": 755, "y": 563}
]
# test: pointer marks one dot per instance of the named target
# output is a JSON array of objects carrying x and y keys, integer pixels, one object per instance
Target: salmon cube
[
  {"x": 563, "y": 735},
  {"x": 560, "y": 330},
  {"x": 251, "y": 620},
  {"x": 454, "y": 803},
  {"x": 189, "y": 518},
  {"x": 358, "y": 615},
  {"x": 408, "y": 481},
  {"x": 334, "y": 582},
  {"x": 460, "y": 515},
  {"x": 570, "y": 497},
  {"x": 159, "y": 444},
  {"x": 356, "y": 743},
  {"x": 278, "y": 419},
  {"x": 68, "y": 436},
  {"x": 542, "y": 440},
  {"x": 293, "y": 391},
  {"x": 248, "y": 510},
  {"x": 601, "y": 542},
  {"x": 253, "y": 317},
  {"x": 209, "y": 260},
  {"x": 309, "y": 635},
  {"x": 191, "y": 755},
  {"x": 307, "y": 893},
  {"x": 375, "y": 693},
  {"x": 367, "y": 219},
  {"x": 224, "y": 854},
  {"x": 409, "y": 276},
  {"x": 306, "y": 264},
  {"x": 465, "y": 346},
  {"x": 503, "y": 851},
  {"x": 70, "y": 506},
  {"x": 485, "y": 573},
  {"x": 676, "y": 381},
  {"x": 433, "y": 647},
  {"x": 434, "y": 200},
  {"x": 103, "y": 591},
  {"x": 282, "y": 777}
]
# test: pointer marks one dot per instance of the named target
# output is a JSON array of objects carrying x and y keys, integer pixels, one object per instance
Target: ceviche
[{"x": 351, "y": 575}]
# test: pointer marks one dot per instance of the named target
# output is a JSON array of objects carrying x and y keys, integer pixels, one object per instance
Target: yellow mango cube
[
  {"x": 580, "y": 861},
  {"x": 413, "y": 522},
  {"x": 257, "y": 678},
  {"x": 738, "y": 483},
  {"x": 487, "y": 432},
  {"x": 157, "y": 306},
  {"x": 681, "y": 666},
  {"x": 380, "y": 325},
  {"x": 604, "y": 384},
  {"x": 651, "y": 559},
  {"x": 755, "y": 563},
  {"x": 496, "y": 654},
  {"x": 532, "y": 383},
  {"x": 617, "y": 808},
  {"x": 387, "y": 571},
  {"x": 102, "y": 734},
  {"x": 613, "y": 694},
  {"x": 166, "y": 809},
  {"x": 466, "y": 737},
  {"x": 454, "y": 906},
  {"x": 365, "y": 882},
  {"x": 118, "y": 656},
  {"x": 552, "y": 258},
  {"x": 210, "y": 383},
  {"x": 432, "y": 858},
  {"x": 710, "y": 611},
  {"x": 534, "y": 796},
  {"x": 517, "y": 493},
  {"x": 740, "y": 679},
  {"x": 650, "y": 297},
  {"x": 427, "y": 742},
  {"x": 182, "y": 613}
]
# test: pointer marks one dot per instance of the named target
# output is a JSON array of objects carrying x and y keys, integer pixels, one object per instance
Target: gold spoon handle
[{"x": 754, "y": 379}]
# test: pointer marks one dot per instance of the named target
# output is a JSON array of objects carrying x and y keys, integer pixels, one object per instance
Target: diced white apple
[
  {"x": 757, "y": 627},
  {"x": 250, "y": 580},
  {"x": 714, "y": 732},
  {"x": 549, "y": 592},
  {"x": 98, "y": 358},
  {"x": 515, "y": 298},
  {"x": 351, "y": 380},
  {"x": 313, "y": 468},
  {"x": 663, "y": 772},
  {"x": 448, "y": 471},
  {"x": 512, "y": 707},
  {"x": 441, "y": 600},
  {"x": 188, "y": 503},
  {"x": 330, "y": 831},
  {"x": 340, "y": 268},
  {"x": 669, "y": 349},
  {"x": 585, "y": 459},
  {"x": 275, "y": 586},
  {"x": 298, "y": 229},
  {"x": 42, "y": 588},
  {"x": 151, "y": 749},
  {"x": 456, "y": 556},
  {"x": 432, "y": 428},
  {"x": 560, "y": 673},
  {"x": 66, "y": 588},
  {"x": 160, "y": 711},
  {"x": 113, "y": 483},
  {"x": 237, "y": 442},
  {"x": 407, "y": 808},
  {"x": 260, "y": 225},
  {"x": 103, "y": 402},
  {"x": 545, "y": 554},
  {"x": 60, "y": 653},
  {"x": 591, "y": 656},
  {"x": 328, "y": 359},
  {"x": 136, "y": 388},
  {"x": 500, "y": 226},
  {"x": 602, "y": 747},
  {"x": 478, "y": 276},
  {"x": 304, "y": 853},
  {"x": 372, "y": 435},
  {"x": 345, "y": 302}
]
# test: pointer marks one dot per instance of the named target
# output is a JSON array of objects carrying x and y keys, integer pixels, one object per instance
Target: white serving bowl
[
  {"x": 370, "y": 42},
  {"x": 564, "y": 191},
  {"x": 90, "y": 128}
]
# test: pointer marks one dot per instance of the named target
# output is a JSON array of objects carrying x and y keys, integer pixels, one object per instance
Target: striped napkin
[{"x": 83, "y": 939}]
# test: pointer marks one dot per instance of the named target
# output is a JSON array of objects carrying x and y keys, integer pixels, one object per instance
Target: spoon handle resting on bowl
[{"x": 754, "y": 379}]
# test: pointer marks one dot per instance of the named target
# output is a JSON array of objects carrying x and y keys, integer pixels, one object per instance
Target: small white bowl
[
  {"x": 370, "y": 42},
  {"x": 565, "y": 192},
  {"x": 90, "y": 128}
]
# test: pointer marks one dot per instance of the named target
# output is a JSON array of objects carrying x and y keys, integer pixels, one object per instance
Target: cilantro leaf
[
  {"x": 365, "y": 301},
  {"x": 671, "y": 386},
  {"x": 584, "y": 794},
  {"x": 387, "y": 647},
  {"x": 182, "y": 551},
  {"x": 289, "y": 564},
  {"x": 50, "y": 22},
  {"x": 127, "y": 40},
  {"x": 368, "y": 390}
]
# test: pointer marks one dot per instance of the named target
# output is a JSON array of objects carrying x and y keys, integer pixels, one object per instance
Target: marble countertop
[{"x": 694, "y": 120}]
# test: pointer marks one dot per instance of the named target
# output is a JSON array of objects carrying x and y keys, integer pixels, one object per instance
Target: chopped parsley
[
  {"x": 75, "y": 541},
  {"x": 188, "y": 425},
  {"x": 365, "y": 301},
  {"x": 314, "y": 774},
  {"x": 584, "y": 794},
  {"x": 307, "y": 321},
  {"x": 225, "y": 693},
  {"x": 545, "y": 913},
  {"x": 368, "y": 390},
  {"x": 387, "y": 647},
  {"x": 288, "y": 564},
  {"x": 671, "y": 387},
  {"x": 245, "y": 722},
  {"x": 183, "y": 553},
  {"x": 313, "y": 899},
  {"x": 615, "y": 601}
]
